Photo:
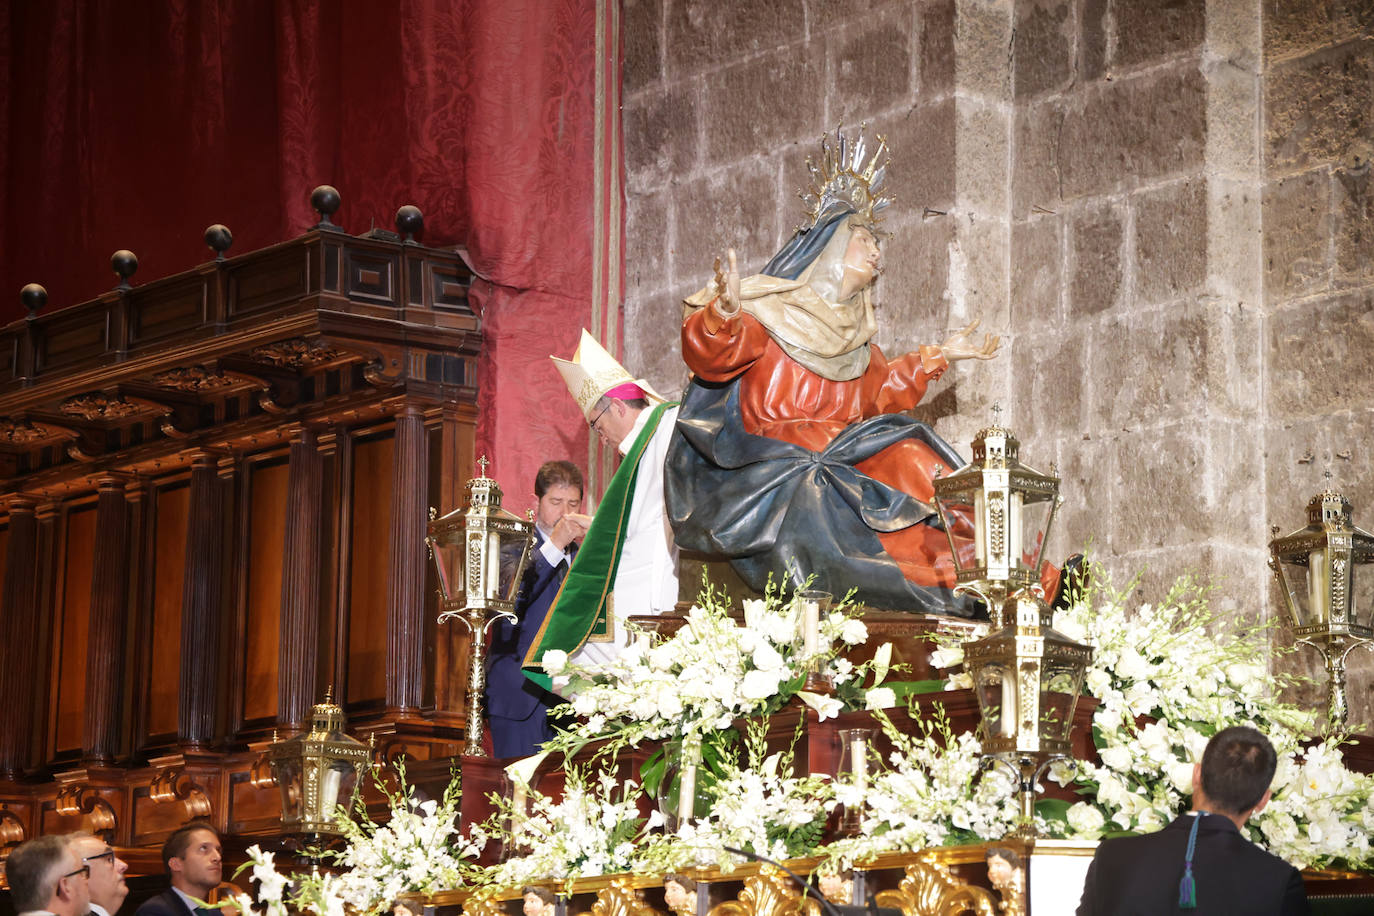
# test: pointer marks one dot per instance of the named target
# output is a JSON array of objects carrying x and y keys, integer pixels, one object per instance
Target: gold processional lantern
[
  {"x": 1011, "y": 509},
  {"x": 1026, "y": 675},
  {"x": 1326, "y": 591},
  {"x": 467, "y": 545},
  {"x": 317, "y": 771}
]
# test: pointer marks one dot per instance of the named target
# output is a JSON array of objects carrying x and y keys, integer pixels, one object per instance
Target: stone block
[
  {"x": 1319, "y": 354},
  {"x": 979, "y": 279},
  {"x": 1235, "y": 33},
  {"x": 982, "y": 34},
  {"x": 910, "y": 294},
  {"x": 981, "y": 137},
  {"x": 1036, "y": 181},
  {"x": 1297, "y": 234},
  {"x": 1047, "y": 372},
  {"x": 1037, "y": 274},
  {"x": 1096, "y": 266},
  {"x": 732, "y": 208},
  {"x": 1235, "y": 248},
  {"x": 648, "y": 272},
  {"x": 1089, "y": 488},
  {"x": 1133, "y": 131},
  {"x": 1171, "y": 241},
  {"x": 702, "y": 34},
  {"x": 653, "y": 348},
  {"x": 642, "y": 27},
  {"x": 754, "y": 108},
  {"x": 1233, "y": 104},
  {"x": 660, "y": 136},
  {"x": 1353, "y": 216},
  {"x": 1294, "y": 27},
  {"x": 935, "y": 19},
  {"x": 872, "y": 65},
  {"x": 1043, "y": 47},
  {"x": 1092, "y": 40},
  {"x": 1300, "y": 450},
  {"x": 922, "y": 140},
  {"x": 1158, "y": 473},
  {"x": 1235, "y": 354},
  {"x": 1318, "y": 107},
  {"x": 1153, "y": 367},
  {"x": 826, "y": 14},
  {"x": 1148, "y": 30}
]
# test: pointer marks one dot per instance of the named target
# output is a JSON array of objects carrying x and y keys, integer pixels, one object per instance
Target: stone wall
[{"x": 1162, "y": 206}]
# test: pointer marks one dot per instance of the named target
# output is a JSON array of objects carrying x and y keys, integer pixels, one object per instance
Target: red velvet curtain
[{"x": 136, "y": 125}]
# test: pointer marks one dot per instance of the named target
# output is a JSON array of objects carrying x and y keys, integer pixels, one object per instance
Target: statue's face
[
  {"x": 862, "y": 262},
  {"x": 674, "y": 894}
]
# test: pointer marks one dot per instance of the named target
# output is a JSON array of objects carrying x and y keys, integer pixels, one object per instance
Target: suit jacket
[
  {"x": 510, "y": 694},
  {"x": 1141, "y": 874},
  {"x": 166, "y": 903}
]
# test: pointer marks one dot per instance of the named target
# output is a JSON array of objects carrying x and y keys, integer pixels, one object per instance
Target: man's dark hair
[
  {"x": 1237, "y": 768},
  {"x": 557, "y": 474},
  {"x": 176, "y": 845},
  {"x": 33, "y": 870},
  {"x": 543, "y": 893}
]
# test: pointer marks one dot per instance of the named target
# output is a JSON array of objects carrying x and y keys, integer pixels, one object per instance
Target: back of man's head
[
  {"x": 34, "y": 870},
  {"x": 1237, "y": 768}
]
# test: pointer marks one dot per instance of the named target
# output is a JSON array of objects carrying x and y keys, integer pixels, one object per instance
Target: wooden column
[
  {"x": 201, "y": 600},
  {"x": 109, "y": 613},
  {"x": 24, "y": 663},
  {"x": 298, "y": 650},
  {"x": 406, "y": 572}
]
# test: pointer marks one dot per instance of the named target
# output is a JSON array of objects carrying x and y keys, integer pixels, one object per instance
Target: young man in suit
[
  {"x": 517, "y": 708},
  {"x": 1201, "y": 863},
  {"x": 193, "y": 857}
]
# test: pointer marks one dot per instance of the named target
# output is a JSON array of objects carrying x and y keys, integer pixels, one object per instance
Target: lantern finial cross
[
  {"x": 482, "y": 464},
  {"x": 996, "y": 414}
]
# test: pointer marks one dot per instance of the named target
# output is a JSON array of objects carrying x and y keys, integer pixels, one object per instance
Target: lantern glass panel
[
  {"x": 1361, "y": 594},
  {"x": 995, "y": 684},
  {"x": 448, "y": 562},
  {"x": 337, "y": 787},
  {"x": 1300, "y": 589},
  {"x": 1036, "y": 512},
  {"x": 288, "y": 773},
  {"x": 1058, "y": 699}
]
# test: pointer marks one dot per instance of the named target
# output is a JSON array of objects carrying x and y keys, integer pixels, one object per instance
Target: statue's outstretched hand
[
  {"x": 958, "y": 346},
  {"x": 727, "y": 303}
]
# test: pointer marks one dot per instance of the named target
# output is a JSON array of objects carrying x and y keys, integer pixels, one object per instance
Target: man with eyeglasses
[
  {"x": 46, "y": 875},
  {"x": 628, "y": 561},
  {"x": 108, "y": 888}
]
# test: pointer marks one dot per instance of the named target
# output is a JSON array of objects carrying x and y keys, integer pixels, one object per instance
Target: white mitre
[{"x": 593, "y": 373}]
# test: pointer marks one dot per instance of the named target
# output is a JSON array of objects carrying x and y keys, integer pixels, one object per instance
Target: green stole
[{"x": 581, "y": 609}]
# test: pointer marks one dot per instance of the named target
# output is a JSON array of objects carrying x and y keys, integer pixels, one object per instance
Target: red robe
[{"x": 782, "y": 399}]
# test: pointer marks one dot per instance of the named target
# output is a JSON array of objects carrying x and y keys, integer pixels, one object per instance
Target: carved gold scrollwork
[
  {"x": 769, "y": 893},
  {"x": 172, "y": 784},
  {"x": 930, "y": 890},
  {"x": 11, "y": 829},
  {"x": 620, "y": 899},
  {"x": 483, "y": 906},
  {"x": 80, "y": 801}
]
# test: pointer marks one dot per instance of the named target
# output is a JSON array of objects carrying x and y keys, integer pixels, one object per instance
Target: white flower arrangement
[
  {"x": 715, "y": 670},
  {"x": 418, "y": 850},
  {"x": 758, "y": 804},
  {"x": 594, "y": 829}
]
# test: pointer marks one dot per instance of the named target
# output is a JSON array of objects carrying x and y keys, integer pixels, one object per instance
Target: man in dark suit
[
  {"x": 192, "y": 856},
  {"x": 1201, "y": 863},
  {"x": 517, "y": 709}
]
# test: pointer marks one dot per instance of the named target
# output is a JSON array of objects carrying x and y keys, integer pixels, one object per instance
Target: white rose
[
  {"x": 880, "y": 698},
  {"x": 853, "y": 632},
  {"x": 1086, "y": 820},
  {"x": 759, "y": 685},
  {"x": 555, "y": 662}
]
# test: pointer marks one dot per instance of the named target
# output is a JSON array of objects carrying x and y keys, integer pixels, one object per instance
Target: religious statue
[
  {"x": 1007, "y": 873},
  {"x": 792, "y": 454},
  {"x": 680, "y": 894},
  {"x": 538, "y": 901}
]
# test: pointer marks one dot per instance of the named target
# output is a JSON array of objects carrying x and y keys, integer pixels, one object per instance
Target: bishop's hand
[
  {"x": 727, "y": 302},
  {"x": 958, "y": 346}
]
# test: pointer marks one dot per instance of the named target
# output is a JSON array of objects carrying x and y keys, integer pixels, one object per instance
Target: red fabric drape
[{"x": 136, "y": 125}]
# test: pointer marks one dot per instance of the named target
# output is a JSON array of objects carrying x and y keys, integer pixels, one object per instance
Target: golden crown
[{"x": 846, "y": 174}]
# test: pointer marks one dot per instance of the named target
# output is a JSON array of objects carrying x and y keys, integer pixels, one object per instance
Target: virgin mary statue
[{"x": 791, "y": 455}]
